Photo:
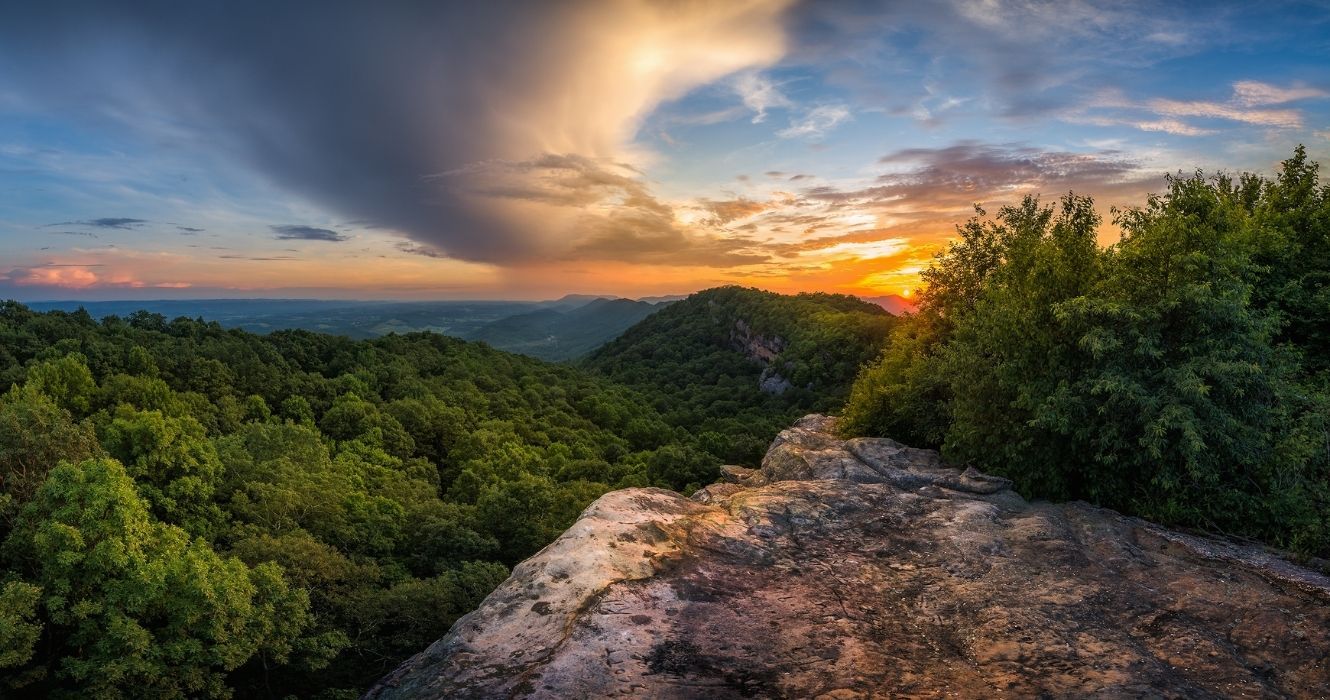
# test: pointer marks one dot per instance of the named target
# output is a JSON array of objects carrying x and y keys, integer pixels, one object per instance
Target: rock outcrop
[{"x": 864, "y": 568}]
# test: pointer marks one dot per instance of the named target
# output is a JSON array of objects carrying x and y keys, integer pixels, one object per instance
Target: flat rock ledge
[{"x": 867, "y": 569}]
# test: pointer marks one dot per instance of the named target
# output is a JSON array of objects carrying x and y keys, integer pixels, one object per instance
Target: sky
[{"x": 525, "y": 150}]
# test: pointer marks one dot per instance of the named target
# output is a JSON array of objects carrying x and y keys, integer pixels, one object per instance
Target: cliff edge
[{"x": 864, "y": 568}]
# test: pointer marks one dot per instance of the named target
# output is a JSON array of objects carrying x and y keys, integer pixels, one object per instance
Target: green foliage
[
  {"x": 1179, "y": 374},
  {"x": 19, "y": 630},
  {"x": 133, "y": 606},
  {"x": 904, "y": 394},
  {"x": 174, "y": 466},
  {"x": 35, "y": 434},
  {"x": 66, "y": 381}
]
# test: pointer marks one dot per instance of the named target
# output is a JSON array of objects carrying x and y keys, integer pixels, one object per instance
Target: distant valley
[{"x": 561, "y": 329}]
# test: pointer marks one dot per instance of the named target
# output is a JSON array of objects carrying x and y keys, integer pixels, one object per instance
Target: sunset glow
[{"x": 631, "y": 148}]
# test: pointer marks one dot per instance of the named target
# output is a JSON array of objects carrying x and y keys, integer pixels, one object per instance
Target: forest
[
  {"x": 1181, "y": 374},
  {"x": 193, "y": 511}
]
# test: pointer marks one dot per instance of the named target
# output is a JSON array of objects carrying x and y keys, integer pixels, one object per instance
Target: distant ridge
[
  {"x": 895, "y": 304},
  {"x": 565, "y": 329}
]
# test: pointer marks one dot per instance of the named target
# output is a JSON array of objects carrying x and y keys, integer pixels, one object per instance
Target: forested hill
[
  {"x": 738, "y": 364},
  {"x": 187, "y": 509}
]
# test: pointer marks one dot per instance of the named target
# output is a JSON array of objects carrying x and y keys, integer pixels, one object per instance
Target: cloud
[
  {"x": 1251, "y": 93},
  {"x": 759, "y": 94},
  {"x": 417, "y": 249},
  {"x": 1022, "y": 59},
  {"x": 816, "y": 122},
  {"x": 1249, "y": 103},
  {"x": 612, "y": 210},
  {"x": 414, "y": 88},
  {"x": 725, "y": 211},
  {"x": 295, "y": 232},
  {"x": 973, "y": 167},
  {"x": 1233, "y": 111},
  {"x": 120, "y": 223},
  {"x": 718, "y": 116},
  {"x": 67, "y": 275},
  {"x": 925, "y": 191}
]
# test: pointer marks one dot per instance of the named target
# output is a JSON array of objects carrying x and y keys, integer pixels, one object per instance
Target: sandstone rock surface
[{"x": 867, "y": 569}]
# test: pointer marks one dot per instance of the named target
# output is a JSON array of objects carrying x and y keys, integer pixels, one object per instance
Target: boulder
[{"x": 865, "y": 568}]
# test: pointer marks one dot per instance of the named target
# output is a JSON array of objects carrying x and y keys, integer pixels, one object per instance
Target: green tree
[
  {"x": 66, "y": 380},
  {"x": 35, "y": 435},
  {"x": 174, "y": 465},
  {"x": 133, "y": 606},
  {"x": 19, "y": 628},
  {"x": 1175, "y": 410}
]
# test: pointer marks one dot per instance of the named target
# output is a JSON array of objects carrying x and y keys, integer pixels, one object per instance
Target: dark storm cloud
[
  {"x": 355, "y": 109},
  {"x": 293, "y": 232}
]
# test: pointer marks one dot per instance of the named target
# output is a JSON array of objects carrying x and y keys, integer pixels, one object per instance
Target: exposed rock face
[
  {"x": 756, "y": 347},
  {"x": 772, "y": 383},
  {"x": 864, "y": 568}
]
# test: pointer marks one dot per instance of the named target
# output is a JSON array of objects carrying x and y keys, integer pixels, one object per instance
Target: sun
[{"x": 907, "y": 292}]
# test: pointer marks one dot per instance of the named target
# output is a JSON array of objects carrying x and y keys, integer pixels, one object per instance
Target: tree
[
  {"x": 35, "y": 435},
  {"x": 1009, "y": 352},
  {"x": 174, "y": 465},
  {"x": 134, "y": 607},
  {"x": 19, "y": 630},
  {"x": 66, "y": 380},
  {"x": 1175, "y": 409},
  {"x": 1179, "y": 374}
]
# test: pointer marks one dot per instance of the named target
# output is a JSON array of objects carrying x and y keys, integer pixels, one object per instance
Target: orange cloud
[{"x": 66, "y": 276}]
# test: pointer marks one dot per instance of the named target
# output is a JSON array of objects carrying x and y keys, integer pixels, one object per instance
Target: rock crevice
[{"x": 866, "y": 568}]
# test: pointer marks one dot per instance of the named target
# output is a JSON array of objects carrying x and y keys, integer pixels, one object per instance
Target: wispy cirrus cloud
[
  {"x": 1251, "y": 93},
  {"x": 1231, "y": 111},
  {"x": 1250, "y": 102},
  {"x": 759, "y": 94},
  {"x": 816, "y": 122}
]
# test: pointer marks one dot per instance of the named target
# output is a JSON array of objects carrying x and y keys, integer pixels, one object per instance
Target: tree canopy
[{"x": 1179, "y": 374}]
